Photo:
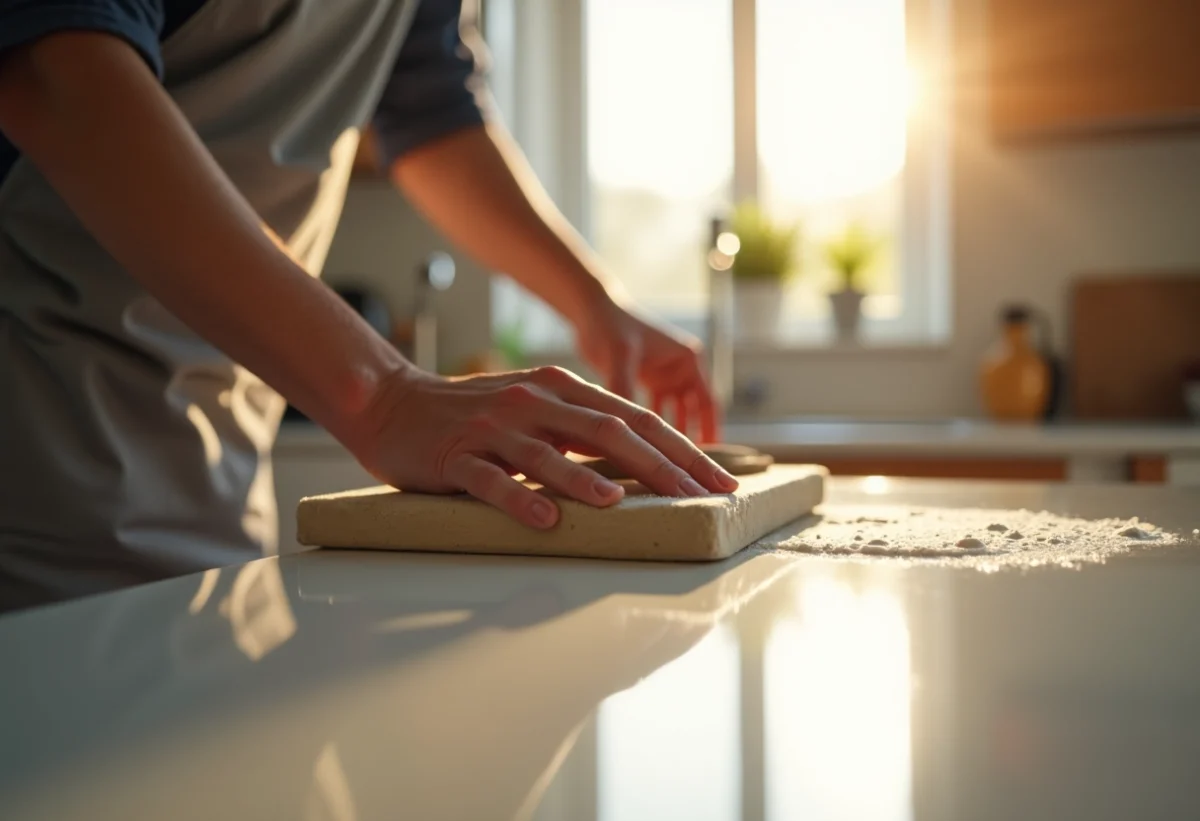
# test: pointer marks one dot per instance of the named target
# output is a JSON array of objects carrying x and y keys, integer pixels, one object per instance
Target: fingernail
[
  {"x": 543, "y": 513},
  {"x": 692, "y": 488},
  {"x": 726, "y": 480},
  {"x": 606, "y": 489}
]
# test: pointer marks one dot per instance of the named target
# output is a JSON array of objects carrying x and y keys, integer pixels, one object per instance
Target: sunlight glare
[
  {"x": 834, "y": 95},
  {"x": 669, "y": 746},
  {"x": 838, "y": 684},
  {"x": 875, "y": 485},
  {"x": 660, "y": 95},
  {"x": 728, "y": 244}
]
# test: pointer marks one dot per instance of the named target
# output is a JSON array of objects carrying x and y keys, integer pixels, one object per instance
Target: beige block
[{"x": 642, "y": 526}]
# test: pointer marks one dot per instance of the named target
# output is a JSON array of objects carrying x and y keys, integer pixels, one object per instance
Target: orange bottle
[{"x": 1015, "y": 376}]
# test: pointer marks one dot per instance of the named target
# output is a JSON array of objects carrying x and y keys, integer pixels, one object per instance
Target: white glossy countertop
[
  {"x": 352, "y": 686},
  {"x": 815, "y": 438}
]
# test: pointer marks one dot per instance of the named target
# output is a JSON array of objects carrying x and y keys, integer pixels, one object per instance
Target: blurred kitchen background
[{"x": 1003, "y": 193}]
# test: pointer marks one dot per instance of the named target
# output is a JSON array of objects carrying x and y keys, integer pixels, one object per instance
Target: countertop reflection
[{"x": 346, "y": 685}]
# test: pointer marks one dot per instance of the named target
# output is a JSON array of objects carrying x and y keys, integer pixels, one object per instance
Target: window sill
[
  {"x": 799, "y": 349},
  {"x": 768, "y": 348},
  {"x": 816, "y": 348}
]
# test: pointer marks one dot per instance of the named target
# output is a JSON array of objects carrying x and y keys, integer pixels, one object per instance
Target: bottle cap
[{"x": 1015, "y": 314}]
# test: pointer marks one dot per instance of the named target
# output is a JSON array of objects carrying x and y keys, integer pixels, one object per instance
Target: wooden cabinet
[{"x": 1062, "y": 67}]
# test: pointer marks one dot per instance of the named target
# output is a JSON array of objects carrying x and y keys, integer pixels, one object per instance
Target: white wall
[
  {"x": 1025, "y": 221},
  {"x": 381, "y": 241}
]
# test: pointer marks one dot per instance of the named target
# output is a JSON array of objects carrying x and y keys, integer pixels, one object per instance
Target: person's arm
[
  {"x": 88, "y": 112},
  {"x": 476, "y": 186},
  {"x": 464, "y": 172}
]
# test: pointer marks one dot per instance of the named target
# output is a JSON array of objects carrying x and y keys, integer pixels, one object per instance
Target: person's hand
[
  {"x": 627, "y": 349},
  {"x": 442, "y": 435}
]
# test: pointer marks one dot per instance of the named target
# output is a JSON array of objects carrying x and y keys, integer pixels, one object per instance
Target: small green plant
[
  {"x": 509, "y": 340},
  {"x": 852, "y": 254},
  {"x": 768, "y": 251}
]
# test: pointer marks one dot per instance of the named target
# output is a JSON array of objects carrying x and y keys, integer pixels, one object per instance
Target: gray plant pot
[
  {"x": 758, "y": 307},
  {"x": 847, "y": 311}
]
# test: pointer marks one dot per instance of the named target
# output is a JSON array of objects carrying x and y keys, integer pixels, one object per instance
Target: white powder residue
[{"x": 972, "y": 536}]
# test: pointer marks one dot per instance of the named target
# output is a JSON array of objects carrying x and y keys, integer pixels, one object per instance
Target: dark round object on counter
[{"x": 738, "y": 460}]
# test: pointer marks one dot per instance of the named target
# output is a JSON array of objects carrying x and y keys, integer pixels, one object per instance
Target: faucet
[
  {"x": 436, "y": 273},
  {"x": 722, "y": 248},
  {"x": 727, "y": 392}
]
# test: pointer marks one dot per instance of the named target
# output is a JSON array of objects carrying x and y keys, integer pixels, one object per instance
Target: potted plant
[
  {"x": 850, "y": 256},
  {"x": 766, "y": 258}
]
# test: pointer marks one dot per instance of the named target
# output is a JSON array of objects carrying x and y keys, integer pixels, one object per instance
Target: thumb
[{"x": 623, "y": 369}]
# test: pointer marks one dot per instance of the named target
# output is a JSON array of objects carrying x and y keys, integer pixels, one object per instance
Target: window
[
  {"x": 668, "y": 112},
  {"x": 660, "y": 146},
  {"x": 833, "y": 96}
]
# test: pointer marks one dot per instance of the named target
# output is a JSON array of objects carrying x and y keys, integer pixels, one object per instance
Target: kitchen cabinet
[{"x": 1071, "y": 67}]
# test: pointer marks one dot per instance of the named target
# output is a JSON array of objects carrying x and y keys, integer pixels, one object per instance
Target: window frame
[{"x": 547, "y": 113}]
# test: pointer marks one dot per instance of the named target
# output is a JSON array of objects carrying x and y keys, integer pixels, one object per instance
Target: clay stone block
[{"x": 642, "y": 526}]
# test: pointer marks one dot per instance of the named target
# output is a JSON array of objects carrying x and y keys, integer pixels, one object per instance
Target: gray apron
[{"x": 131, "y": 449}]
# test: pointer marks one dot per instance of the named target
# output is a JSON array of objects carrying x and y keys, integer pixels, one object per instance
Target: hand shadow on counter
[{"x": 342, "y": 685}]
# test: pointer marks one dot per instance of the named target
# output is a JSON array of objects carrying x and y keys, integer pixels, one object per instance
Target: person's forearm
[
  {"x": 476, "y": 187},
  {"x": 86, "y": 110}
]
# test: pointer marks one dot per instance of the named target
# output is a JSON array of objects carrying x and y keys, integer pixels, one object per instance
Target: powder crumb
[
  {"x": 937, "y": 535},
  {"x": 1136, "y": 533}
]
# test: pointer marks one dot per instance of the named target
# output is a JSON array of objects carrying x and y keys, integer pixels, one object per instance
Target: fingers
[
  {"x": 543, "y": 463},
  {"x": 707, "y": 413},
  {"x": 679, "y": 402},
  {"x": 639, "y": 442},
  {"x": 490, "y": 484},
  {"x": 710, "y": 420},
  {"x": 702, "y": 411},
  {"x": 623, "y": 377},
  {"x": 665, "y": 404},
  {"x": 658, "y": 401},
  {"x": 693, "y": 411}
]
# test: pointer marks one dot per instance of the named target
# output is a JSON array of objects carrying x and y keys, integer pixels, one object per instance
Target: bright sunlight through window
[{"x": 833, "y": 94}]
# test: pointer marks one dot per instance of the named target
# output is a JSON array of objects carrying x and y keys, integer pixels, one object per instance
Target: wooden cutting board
[
  {"x": 1131, "y": 338},
  {"x": 641, "y": 526}
]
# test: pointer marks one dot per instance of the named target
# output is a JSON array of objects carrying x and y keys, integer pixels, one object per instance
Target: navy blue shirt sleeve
[
  {"x": 138, "y": 22},
  {"x": 436, "y": 85}
]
